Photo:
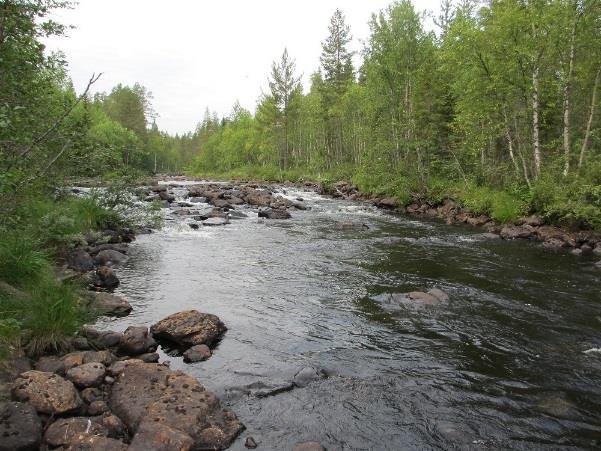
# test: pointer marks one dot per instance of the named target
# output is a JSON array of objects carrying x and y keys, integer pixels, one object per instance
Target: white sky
[{"x": 193, "y": 54}]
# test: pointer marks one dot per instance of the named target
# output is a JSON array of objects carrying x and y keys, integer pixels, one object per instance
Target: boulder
[
  {"x": 189, "y": 328},
  {"x": 20, "y": 427},
  {"x": 309, "y": 446},
  {"x": 98, "y": 407},
  {"x": 511, "y": 232},
  {"x": 91, "y": 394},
  {"x": 160, "y": 437},
  {"x": 553, "y": 244},
  {"x": 50, "y": 364},
  {"x": 109, "y": 304},
  {"x": 258, "y": 198},
  {"x": 80, "y": 343},
  {"x": 105, "y": 278},
  {"x": 216, "y": 221},
  {"x": 387, "y": 202},
  {"x": 151, "y": 392},
  {"x": 198, "y": 200},
  {"x": 149, "y": 357},
  {"x": 135, "y": 341},
  {"x": 164, "y": 195},
  {"x": 48, "y": 393},
  {"x": 110, "y": 257},
  {"x": 80, "y": 261},
  {"x": 67, "y": 431},
  {"x": 478, "y": 221},
  {"x": 72, "y": 359},
  {"x": 87, "y": 375},
  {"x": 197, "y": 353},
  {"x": 101, "y": 339},
  {"x": 274, "y": 213},
  {"x": 119, "y": 247},
  {"x": 105, "y": 357},
  {"x": 250, "y": 443}
]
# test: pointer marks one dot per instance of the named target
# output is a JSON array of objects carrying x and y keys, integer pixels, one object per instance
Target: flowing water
[{"x": 501, "y": 365}]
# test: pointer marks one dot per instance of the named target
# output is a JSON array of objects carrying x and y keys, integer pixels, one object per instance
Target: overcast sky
[{"x": 193, "y": 54}]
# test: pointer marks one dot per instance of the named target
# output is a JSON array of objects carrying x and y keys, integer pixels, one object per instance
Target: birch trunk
[{"x": 589, "y": 124}]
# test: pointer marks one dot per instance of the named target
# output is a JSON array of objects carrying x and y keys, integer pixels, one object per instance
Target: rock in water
[
  {"x": 197, "y": 353},
  {"x": 109, "y": 304},
  {"x": 423, "y": 298},
  {"x": 136, "y": 341},
  {"x": 47, "y": 392},
  {"x": 110, "y": 257},
  {"x": 20, "y": 427},
  {"x": 274, "y": 213},
  {"x": 511, "y": 232},
  {"x": 189, "y": 328},
  {"x": 439, "y": 294},
  {"x": 80, "y": 261},
  {"x": 152, "y": 392},
  {"x": 105, "y": 278}
]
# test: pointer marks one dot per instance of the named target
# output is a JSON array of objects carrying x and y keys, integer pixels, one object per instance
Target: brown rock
[
  {"x": 197, "y": 353},
  {"x": 423, "y": 298},
  {"x": 97, "y": 408},
  {"x": 20, "y": 427},
  {"x": 105, "y": 278},
  {"x": 160, "y": 437},
  {"x": 533, "y": 221},
  {"x": 149, "y": 357},
  {"x": 189, "y": 328},
  {"x": 146, "y": 391},
  {"x": 48, "y": 392},
  {"x": 101, "y": 339},
  {"x": 95, "y": 443},
  {"x": 104, "y": 357},
  {"x": 68, "y": 430},
  {"x": 478, "y": 221},
  {"x": 91, "y": 394},
  {"x": 87, "y": 375},
  {"x": 512, "y": 232},
  {"x": 73, "y": 359},
  {"x": 50, "y": 364}
]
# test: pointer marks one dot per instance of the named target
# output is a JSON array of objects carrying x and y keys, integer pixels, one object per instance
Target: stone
[
  {"x": 110, "y": 257},
  {"x": 553, "y": 244},
  {"x": 439, "y": 294},
  {"x": 423, "y": 298},
  {"x": 189, "y": 328},
  {"x": 274, "y": 213},
  {"x": 308, "y": 375},
  {"x": 119, "y": 247},
  {"x": 48, "y": 393},
  {"x": 597, "y": 249},
  {"x": 250, "y": 443},
  {"x": 80, "y": 261},
  {"x": 87, "y": 375},
  {"x": 478, "y": 221},
  {"x": 212, "y": 222},
  {"x": 512, "y": 232},
  {"x": 105, "y": 357},
  {"x": 51, "y": 364},
  {"x": 197, "y": 353},
  {"x": 533, "y": 221},
  {"x": 152, "y": 392},
  {"x": 109, "y": 304},
  {"x": 20, "y": 427},
  {"x": 80, "y": 343},
  {"x": 105, "y": 278},
  {"x": 387, "y": 202},
  {"x": 164, "y": 195},
  {"x": 149, "y": 357},
  {"x": 101, "y": 339},
  {"x": 160, "y": 437},
  {"x": 91, "y": 394},
  {"x": 97, "y": 408},
  {"x": 73, "y": 359},
  {"x": 490, "y": 236},
  {"x": 135, "y": 341},
  {"x": 68, "y": 430},
  {"x": 115, "y": 427},
  {"x": 309, "y": 446}
]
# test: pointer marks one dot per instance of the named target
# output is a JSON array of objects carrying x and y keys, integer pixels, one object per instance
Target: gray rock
[
  {"x": 97, "y": 408},
  {"x": 250, "y": 443},
  {"x": 109, "y": 304},
  {"x": 149, "y": 357},
  {"x": 20, "y": 427},
  {"x": 50, "y": 364},
  {"x": 274, "y": 213},
  {"x": 160, "y": 437},
  {"x": 80, "y": 261},
  {"x": 135, "y": 341},
  {"x": 67, "y": 431},
  {"x": 511, "y": 232},
  {"x": 110, "y": 257},
  {"x": 439, "y": 294},
  {"x": 87, "y": 375},
  {"x": 101, "y": 339},
  {"x": 105, "y": 357},
  {"x": 105, "y": 278},
  {"x": 309, "y": 446}
]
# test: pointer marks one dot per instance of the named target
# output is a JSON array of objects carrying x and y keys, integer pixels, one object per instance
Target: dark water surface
[{"x": 502, "y": 365}]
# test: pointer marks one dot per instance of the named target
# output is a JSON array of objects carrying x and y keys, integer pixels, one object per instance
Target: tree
[
  {"x": 285, "y": 88},
  {"x": 336, "y": 59}
]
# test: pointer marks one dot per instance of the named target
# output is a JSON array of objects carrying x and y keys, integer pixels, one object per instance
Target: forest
[{"x": 496, "y": 108}]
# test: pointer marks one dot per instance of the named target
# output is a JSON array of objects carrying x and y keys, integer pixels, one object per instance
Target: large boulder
[
  {"x": 48, "y": 393},
  {"x": 512, "y": 232},
  {"x": 101, "y": 339},
  {"x": 152, "y": 392},
  {"x": 259, "y": 198},
  {"x": 20, "y": 427},
  {"x": 80, "y": 261},
  {"x": 189, "y": 328},
  {"x": 109, "y": 304},
  {"x": 135, "y": 341}
]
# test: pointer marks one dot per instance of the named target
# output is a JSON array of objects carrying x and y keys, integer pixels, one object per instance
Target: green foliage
[{"x": 499, "y": 205}]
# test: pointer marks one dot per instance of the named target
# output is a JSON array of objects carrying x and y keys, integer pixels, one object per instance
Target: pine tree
[{"x": 336, "y": 59}]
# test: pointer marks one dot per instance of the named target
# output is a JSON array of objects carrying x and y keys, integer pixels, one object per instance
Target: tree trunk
[
  {"x": 566, "y": 104},
  {"x": 535, "y": 122},
  {"x": 589, "y": 124}
]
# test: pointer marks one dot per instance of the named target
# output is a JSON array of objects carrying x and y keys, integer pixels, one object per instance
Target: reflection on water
[{"x": 500, "y": 366}]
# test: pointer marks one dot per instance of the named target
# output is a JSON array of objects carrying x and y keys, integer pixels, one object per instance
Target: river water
[{"x": 501, "y": 365}]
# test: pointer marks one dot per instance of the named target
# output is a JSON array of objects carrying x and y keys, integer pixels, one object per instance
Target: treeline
[{"x": 498, "y": 109}]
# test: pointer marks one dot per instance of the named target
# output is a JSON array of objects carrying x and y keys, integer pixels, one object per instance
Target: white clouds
[{"x": 198, "y": 54}]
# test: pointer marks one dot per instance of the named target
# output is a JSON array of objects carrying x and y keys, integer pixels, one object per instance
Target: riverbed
[{"x": 509, "y": 362}]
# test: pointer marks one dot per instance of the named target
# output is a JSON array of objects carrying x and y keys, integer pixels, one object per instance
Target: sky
[{"x": 197, "y": 54}]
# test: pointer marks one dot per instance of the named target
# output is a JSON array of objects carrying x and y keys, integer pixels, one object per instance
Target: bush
[{"x": 499, "y": 205}]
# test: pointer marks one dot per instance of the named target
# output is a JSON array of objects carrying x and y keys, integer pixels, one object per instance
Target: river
[{"x": 501, "y": 365}]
